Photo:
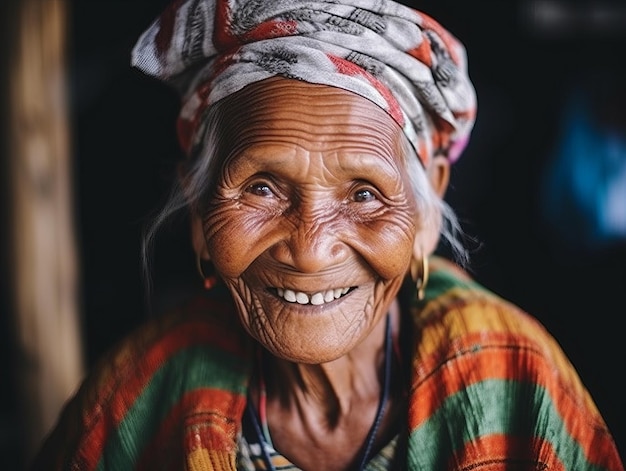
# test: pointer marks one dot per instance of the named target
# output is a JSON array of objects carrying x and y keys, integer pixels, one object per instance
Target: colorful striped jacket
[{"x": 490, "y": 390}]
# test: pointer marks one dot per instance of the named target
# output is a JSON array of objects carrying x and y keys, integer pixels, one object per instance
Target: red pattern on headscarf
[{"x": 397, "y": 57}]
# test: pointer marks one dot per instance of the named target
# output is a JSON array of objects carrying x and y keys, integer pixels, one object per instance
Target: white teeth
[
  {"x": 290, "y": 296},
  {"x": 316, "y": 299}
]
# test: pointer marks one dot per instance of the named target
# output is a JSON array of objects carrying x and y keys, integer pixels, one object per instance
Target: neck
[
  {"x": 348, "y": 407},
  {"x": 332, "y": 387}
]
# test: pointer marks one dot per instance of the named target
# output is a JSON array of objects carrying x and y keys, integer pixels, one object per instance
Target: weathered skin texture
[{"x": 313, "y": 197}]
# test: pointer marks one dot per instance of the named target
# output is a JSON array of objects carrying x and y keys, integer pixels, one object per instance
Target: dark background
[{"x": 523, "y": 69}]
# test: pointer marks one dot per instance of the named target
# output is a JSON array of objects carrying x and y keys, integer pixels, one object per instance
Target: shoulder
[
  {"x": 189, "y": 361},
  {"x": 480, "y": 358},
  {"x": 461, "y": 319},
  {"x": 457, "y": 309},
  {"x": 200, "y": 327}
]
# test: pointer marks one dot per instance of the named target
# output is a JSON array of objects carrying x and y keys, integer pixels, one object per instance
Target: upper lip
[{"x": 314, "y": 297}]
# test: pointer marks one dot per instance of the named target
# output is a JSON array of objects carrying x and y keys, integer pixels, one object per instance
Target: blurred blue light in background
[{"x": 584, "y": 186}]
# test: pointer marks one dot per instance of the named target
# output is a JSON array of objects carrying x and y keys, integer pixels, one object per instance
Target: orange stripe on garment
[
  {"x": 466, "y": 361},
  {"x": 507, "y": 453},
  {"x": 458, "y": 314},
  {"x": 123, "y": 380},
  {"x": 499, "y": 355},
  {"x": 203, "y": 429}
]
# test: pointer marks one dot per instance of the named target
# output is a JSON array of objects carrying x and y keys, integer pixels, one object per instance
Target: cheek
[
  {"x": 388, "y": 245},
  {"x": 233, "y": 239}
]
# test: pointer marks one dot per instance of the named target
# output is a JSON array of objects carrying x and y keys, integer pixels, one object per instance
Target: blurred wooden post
[{"x": 43, "y": 250}]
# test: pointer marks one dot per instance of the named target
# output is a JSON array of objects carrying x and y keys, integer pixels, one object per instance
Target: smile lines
[{"x": 316, "y": 299}]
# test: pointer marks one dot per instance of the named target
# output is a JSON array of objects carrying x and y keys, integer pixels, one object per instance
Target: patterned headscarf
[{"x": 397, "y": 57}]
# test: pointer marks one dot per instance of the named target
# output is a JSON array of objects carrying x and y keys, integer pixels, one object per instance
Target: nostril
[{"x": 312, "y": 254}]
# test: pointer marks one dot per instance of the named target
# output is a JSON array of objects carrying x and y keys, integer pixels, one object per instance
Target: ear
[
  {"x": 197, "y": 238},
  {"x": 438, "y": 173}
]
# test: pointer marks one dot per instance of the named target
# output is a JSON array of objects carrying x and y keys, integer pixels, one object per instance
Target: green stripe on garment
[
  {"x": 189, "y": 369},
  {"x": 487, "y": 408},
  {"x": 442, "y": 281}
]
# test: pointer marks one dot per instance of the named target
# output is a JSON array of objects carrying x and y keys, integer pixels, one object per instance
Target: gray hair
[{"x": 432, "y": 206}]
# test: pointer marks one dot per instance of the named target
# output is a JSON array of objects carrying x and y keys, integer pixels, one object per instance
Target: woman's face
[{"x": 312, "y": 221}]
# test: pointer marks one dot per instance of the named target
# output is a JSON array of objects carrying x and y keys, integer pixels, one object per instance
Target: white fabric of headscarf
[{"x": 397, "y": 57}]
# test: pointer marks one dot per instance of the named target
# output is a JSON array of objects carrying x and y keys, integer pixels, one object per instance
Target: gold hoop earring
[
  {"x": 419, "y": 273},
  {"x": 207, "y": 281}
]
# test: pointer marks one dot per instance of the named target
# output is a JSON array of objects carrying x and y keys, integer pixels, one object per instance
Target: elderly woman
[{"x": 319, "y": 138}]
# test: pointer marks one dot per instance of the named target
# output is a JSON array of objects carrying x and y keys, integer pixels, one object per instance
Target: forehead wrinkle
[
  {"x": 280, "y": 159},
  {"x": 385, "y": 170},
  {"x": 259, "y": 157},
  {"x": 341, "y": 131}
]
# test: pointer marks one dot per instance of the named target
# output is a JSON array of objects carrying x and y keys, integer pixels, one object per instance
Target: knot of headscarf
[{"x": 395, "y": 56}]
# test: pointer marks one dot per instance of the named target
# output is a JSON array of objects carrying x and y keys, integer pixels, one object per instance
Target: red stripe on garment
[
  {"x": 477, "y": 358},
  {"x": 202, "y": 428},
  {"x": 128, "y": 379}
]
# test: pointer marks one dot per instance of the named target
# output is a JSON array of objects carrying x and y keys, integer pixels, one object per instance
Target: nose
[{"x": 311, "y": 244}]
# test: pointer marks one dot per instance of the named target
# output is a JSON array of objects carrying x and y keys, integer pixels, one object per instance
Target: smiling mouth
[{"x": 316, "y": 299}]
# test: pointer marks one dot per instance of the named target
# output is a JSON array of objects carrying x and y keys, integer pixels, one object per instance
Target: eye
[
  {"x": 364, "y": 195},
  {"x": 260, "y": 189}
]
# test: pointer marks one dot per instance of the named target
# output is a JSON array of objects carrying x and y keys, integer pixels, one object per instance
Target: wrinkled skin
[{"x": 313, "y": 197}]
